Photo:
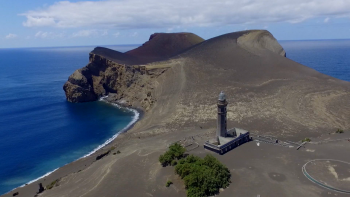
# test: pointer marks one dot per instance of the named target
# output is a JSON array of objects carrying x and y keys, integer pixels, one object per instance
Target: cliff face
[
  {"x": 102, "y": 76},
  {"x": 121, "y": 74}
]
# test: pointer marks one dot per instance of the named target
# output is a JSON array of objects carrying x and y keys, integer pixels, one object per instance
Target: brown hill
[
  {"x": 165, "y": 45},
  {"x": 267, "y": 92},
  {"x": 160, "y": 46}
]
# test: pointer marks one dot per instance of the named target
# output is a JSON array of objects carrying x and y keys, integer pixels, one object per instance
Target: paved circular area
[{"x": 329, "y": 173}]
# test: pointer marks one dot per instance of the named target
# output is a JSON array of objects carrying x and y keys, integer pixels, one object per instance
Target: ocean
[
  {"x": 331, "y": 57},
  {"x": 40, "y": 131}
]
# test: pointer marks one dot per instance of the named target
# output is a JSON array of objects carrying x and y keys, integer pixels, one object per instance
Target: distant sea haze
[{"x": 40, "y": 131}]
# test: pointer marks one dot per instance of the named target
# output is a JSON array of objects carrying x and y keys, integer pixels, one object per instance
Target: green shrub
[
  {"x": 339, "y": 131},
  {"x": 52, "y": 184},
  {"x": 175, "y": 151},
  {"x": 166, "y": 159},
  {"x": 173, "y": 163},
  {"x": 203, "y": 177},
  {"x": 306, "y": 140},
  {"x": 168, "y": 183},
  {"x": 118, "y": 152}
]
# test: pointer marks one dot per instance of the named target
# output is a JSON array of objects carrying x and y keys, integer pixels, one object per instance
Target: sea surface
[
  {"x": 40, "y": 131},
  {"x": 331, "y": 57}
]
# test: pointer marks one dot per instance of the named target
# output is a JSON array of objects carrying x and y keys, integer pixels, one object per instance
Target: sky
[{"x": 49, "y": 23}]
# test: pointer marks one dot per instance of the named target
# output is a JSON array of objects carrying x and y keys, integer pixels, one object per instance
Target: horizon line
[{"x": 67, "y": 46}]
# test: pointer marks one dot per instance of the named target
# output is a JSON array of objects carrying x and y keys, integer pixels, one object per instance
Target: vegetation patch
[
  {"x": 306, "y": 140},
  {"x": 202, "y": 177},
  {"x": 175, "y": 151},
  {"x": 168, "y": 183},
  {"x": 339, "y": 131},
  {"x": 52, "y": 184},
  {"x": 173, "y": 163},
  {"x": 102, "y": 155}
]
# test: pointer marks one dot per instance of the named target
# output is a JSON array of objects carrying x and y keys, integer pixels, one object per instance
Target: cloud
[
  {"x": 39, "y": 21},
  {"x": 11, "y": 36},
  {"x": 104, "y": 33},
  {"x": 134, "y": 34},
  {"x": 90, "y": 33},
  {"x": 116, "y": 34},
  {"x": 48, "y": 35},
  {"x": 326, "y": 20},
  {"x": 169, "y": 30},
  {"x": 129, "y": 14}
]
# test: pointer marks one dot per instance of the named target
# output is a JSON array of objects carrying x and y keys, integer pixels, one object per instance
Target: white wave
[
  {"x": 134, "y": 119},
  {"x": 103, "y": 99},
  {"x": 32, "y": 181}
]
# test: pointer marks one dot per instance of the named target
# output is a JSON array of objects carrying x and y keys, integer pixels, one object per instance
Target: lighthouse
[
  {"x": 222, "y": 116},
  {"x": 225, "y": 140}
]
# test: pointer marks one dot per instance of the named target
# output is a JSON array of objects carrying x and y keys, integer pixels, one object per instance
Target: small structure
[{"x": 225, "y": 139}]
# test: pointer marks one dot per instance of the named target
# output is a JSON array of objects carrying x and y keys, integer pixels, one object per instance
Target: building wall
[{"x": 229, "y": 146}]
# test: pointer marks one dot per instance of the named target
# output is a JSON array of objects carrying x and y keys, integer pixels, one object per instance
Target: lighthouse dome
[{"x": 222, "y": 96}]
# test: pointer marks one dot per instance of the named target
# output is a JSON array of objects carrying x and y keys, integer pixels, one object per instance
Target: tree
[{"x": 202, "y": 177}]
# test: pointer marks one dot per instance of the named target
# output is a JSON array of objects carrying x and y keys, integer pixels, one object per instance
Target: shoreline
[{"x": 138, "y": 113}]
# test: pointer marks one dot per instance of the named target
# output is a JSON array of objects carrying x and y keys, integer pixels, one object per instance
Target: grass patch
[
  {"x": 306, "y": 140},
  {"x": 168, "y": 183},
  {"x": 339, "y": 131},
  {"x": 52, "y": 184}
]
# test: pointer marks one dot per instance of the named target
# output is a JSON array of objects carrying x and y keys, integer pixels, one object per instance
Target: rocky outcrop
[
  {"x": 113, "y": 72},
  {"x": 79, "y": 88}
]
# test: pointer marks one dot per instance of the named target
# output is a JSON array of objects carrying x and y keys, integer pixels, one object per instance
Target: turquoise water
[{"x": 39, "y": 130}]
